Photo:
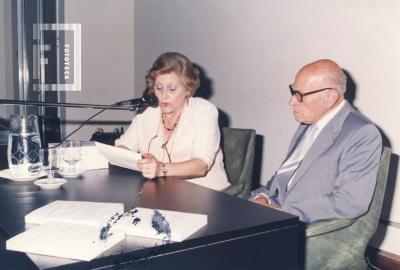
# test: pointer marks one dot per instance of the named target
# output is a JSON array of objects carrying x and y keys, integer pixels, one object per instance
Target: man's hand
[
  {"x": 266, "y": 202},
  {"x": 149, "y": 166},
  {"x": 261, "y": 200}
]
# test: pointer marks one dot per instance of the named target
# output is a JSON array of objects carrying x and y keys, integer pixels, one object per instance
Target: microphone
[{"x": 147, "y": 100}]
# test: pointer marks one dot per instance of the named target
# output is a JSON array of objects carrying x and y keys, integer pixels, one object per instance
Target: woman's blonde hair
[{"x": 174, "y": 62}]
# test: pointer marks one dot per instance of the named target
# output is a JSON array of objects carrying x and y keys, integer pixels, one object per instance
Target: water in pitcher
[
  {"x": 24, "y": 155},
  {"x": 24, "y": 147}
]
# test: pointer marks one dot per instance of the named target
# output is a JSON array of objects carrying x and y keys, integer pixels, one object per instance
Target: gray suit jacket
[{"x": 337, "y": 177}]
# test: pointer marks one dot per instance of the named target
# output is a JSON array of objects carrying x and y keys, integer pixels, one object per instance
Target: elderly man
[{"x": 332, "y": 163}]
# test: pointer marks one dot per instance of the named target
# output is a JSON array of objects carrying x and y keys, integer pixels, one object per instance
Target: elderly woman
[{"x": 181, "y": 136}]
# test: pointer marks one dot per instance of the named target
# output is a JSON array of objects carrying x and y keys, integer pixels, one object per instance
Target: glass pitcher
[{"x": 23, "y": 151}]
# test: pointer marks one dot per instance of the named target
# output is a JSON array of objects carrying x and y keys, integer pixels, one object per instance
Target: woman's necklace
[
  {"x": 174, "y": 125},
  {"x": 164, "y": 146}
]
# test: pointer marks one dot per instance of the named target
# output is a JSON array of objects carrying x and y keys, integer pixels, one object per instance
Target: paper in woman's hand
[{"x": 119, "y": 156}]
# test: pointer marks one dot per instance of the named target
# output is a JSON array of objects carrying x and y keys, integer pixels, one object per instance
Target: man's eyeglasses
[{"x": 299, "y": 95}]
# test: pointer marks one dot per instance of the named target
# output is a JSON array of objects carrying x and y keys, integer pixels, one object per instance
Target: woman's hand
[{"x": 149, "y": 166}]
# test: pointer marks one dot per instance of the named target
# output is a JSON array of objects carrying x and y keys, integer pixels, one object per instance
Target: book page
[
  {"x": 79, "y": 212},
  {"x": 180, "y": 225},
  {"x": 119, "y": 156},
  {"x": 67, "y": 240}
]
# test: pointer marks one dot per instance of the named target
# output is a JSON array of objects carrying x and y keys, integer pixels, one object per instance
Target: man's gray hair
[
  {"x": 342, "y": 82},
  {"x": 339, "y": 79}
]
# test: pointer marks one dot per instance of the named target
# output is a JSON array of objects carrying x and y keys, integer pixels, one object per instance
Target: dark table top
[{"x": 228, "y": 216}]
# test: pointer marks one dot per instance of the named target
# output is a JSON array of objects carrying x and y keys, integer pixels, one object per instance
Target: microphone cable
[
  {"x": 76, "y": 130},
  {"x": 151, "y": 100}
]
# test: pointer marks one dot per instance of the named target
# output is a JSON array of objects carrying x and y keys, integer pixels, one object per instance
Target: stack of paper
[
  {"x": 84, "y": 230},
  {"x": 119, "y": 156},
  {"x": 91, "y": 159},
  {"x": 71, "y": 229}
]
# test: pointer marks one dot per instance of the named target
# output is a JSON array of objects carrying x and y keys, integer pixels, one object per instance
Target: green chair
[
  {"x": 238, "y": 147},
  {"x": 340, "y": 243}
]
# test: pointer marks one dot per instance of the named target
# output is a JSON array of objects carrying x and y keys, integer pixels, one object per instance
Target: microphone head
[{"x": 151, "y": 100}]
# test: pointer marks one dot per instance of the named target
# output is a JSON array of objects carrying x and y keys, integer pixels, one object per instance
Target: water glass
[
  {"x": 51, "y": 162},
  {"x": 71, "y": 154}
]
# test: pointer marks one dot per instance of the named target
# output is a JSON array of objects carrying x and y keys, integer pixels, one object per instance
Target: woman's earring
[{"x": 187, "y": 100}]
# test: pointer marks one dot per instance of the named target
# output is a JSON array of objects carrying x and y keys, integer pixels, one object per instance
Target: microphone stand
[{"x": 131, "y": 107}]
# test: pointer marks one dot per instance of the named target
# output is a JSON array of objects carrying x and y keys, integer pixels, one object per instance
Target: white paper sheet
[{"x": 119, "y": 156}]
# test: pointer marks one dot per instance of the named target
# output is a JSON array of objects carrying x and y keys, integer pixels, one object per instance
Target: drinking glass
[
  {"x": 51, "y": 163},
  {"x": 71, "y": 154},
  {"x": 23, "y": 151}
]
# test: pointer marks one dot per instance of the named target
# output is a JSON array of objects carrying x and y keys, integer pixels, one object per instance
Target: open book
[
  {"x": 85, "y": 230},
  {"x": 69, "y": 229},
  {"x": 161, "y": 224},
  {"x": 67, "y": 240},
  {"x": 119, "y": 156}
]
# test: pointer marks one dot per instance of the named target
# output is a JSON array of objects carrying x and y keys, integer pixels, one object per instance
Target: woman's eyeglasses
[{"x": 299, "y": 95}]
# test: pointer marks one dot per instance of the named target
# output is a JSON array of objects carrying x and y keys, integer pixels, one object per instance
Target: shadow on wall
[
  {"x": 258, "y": 157},
  {"x": 350, "y": 88},
  {"x": 394, "y": 163},
  {"x": 388, "y": 199},
  {"x": 390, "y": 186},
  {"x": 206, "y": 91},
  {"x": 391, "y": 182}
]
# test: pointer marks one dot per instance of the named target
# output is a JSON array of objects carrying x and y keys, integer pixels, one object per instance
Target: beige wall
[
  {"x": 107, "y": 61},
  {"x": 252, "y": 49}
]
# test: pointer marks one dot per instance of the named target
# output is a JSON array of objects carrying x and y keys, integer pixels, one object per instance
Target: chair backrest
[
  {"x": 368, "y": 223},
  {"x": 344, "y": 247},
  {"x": 238, "y": 146}
]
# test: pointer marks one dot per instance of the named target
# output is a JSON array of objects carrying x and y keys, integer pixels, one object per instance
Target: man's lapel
[
  {"x": 296, "y": 140},
  {"x": 281, "y": 180},
  {"x": 324, "y": 140}
]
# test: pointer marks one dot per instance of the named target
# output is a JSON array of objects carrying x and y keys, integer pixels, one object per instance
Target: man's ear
[{"x": 332, "y": 97}]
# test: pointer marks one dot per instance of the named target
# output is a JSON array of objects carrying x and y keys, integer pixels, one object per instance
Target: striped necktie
[{"x": 289, "y": 167}]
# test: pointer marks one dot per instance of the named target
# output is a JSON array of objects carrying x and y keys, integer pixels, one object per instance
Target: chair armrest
[
  {"x": 326, "y": 226},
  {"x": 234, "y": 189}
]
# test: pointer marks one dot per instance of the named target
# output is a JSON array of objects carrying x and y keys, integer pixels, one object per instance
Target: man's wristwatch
[{"x": 164, "y": 169}]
